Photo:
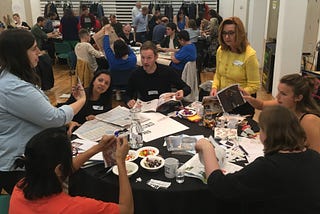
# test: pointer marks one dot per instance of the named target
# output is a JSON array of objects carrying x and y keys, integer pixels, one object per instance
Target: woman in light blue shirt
[{"x": 24, "y": 109}]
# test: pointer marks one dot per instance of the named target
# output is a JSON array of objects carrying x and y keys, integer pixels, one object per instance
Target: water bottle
[{"x": 135, "y": 130}]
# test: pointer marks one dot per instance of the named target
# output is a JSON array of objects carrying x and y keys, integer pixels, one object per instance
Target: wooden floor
[{"x": 63, "y": 83}]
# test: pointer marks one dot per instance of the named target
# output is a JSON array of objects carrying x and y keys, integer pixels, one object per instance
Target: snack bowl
[
  {"x": 147, "y": 150},
  {"x": 130, "y": 166},
  {"x": 152, "y": 163},
  {"x": 187, "y": 112},
  {"x": 132, "y": 155}
]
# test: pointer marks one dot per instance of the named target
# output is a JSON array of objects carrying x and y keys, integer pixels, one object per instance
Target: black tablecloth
[{"x": 192, "y": 196}]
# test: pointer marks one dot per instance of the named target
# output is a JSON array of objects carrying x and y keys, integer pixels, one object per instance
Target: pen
[
  {"x": 119, "y": 132},
  {"x": 244, "y": 151},
  {"x": 79, "y": 81}
]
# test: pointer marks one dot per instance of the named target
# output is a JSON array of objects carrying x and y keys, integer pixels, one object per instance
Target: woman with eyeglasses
[{"x": 236, "y": 62}]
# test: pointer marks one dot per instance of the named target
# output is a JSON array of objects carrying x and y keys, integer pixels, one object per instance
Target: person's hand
[
  {"x": 179, "y": 95},
  {"x": 122, "y": 149},
  {"x": 78, "y": 92},
  {"x": 213, "y": 92},
  {"x": 244, "y": 93},
  {"x": 72, "y": 125},
  {"x": 139, "y": 44},
  {"x": 90, "y": 117},
  {"x": 105, "y": 142},
  {"x": 131, "y": 103},
  {"x": 203, "y": 145}
]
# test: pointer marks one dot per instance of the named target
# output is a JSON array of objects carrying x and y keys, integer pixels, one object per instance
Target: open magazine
[
  {"x": 226, "y": 99},
  {"x": 195, "y": 168},
  {"x": 165, "y": 104}
]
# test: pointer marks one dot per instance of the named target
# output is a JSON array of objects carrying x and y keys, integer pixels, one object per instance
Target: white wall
[
  {"x": 290, "y": 36},
  {"x": 256, "y": 27},
  {"x": 19, "y": 7},
  {"x": 226, "y": 8},
  {"x": 35, "y": 10}
]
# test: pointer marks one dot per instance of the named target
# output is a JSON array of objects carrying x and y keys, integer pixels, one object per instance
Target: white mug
[{"x": 170, "y": 167}]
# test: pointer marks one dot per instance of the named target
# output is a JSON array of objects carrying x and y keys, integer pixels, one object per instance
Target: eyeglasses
[{"x": 229, "y": 33}]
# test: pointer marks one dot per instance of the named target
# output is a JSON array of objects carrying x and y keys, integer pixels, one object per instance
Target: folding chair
[{"x": 62, "y": 50}]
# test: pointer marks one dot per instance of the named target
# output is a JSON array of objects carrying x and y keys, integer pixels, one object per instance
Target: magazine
[
  {"x": 166, "y": 103},
  {"x": 109, "y": 155},
  {"x": 230, "y": 98},
  {"x": 226, "y": 100},
  {"x": 195, "y": 167}
]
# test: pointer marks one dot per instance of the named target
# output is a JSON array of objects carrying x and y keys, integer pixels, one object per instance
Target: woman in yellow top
[{"x": 236, "y": 62}]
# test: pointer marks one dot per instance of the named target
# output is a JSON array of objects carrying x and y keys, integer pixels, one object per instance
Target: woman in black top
[
  {"x": 285, "y": 180},
  {"x": 99, "y": 99}
]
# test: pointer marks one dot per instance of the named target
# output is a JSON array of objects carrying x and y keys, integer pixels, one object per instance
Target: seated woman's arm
[{"x": 81, "y": 158}]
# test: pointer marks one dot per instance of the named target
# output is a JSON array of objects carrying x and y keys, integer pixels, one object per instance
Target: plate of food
[
  {"x": 187, "y": 112},
  {"x": 147, "y": 150},
  {"x": 152, "y": 163},
  {"x": 130, "y": 166},
  {"x": 132, "y": 155}
]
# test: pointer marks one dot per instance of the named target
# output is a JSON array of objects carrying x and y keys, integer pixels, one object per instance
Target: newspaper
[{"x": 165, "y": 104}]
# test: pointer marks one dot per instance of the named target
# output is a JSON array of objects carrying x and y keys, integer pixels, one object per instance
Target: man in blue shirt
[
  {"x": 159, "y": 31},
  {"x": 187, "y": 52},
  {"x": 140, "y": 24}
]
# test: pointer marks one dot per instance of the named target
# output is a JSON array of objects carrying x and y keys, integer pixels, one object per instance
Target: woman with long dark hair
[
  {"x": 48, "y": 162},
  {"x": 99, "y": 99},
  {"x": 24, "y": 109}
]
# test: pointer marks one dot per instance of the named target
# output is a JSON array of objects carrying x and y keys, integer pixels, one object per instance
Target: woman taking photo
[{"x": 24, "y": 109}]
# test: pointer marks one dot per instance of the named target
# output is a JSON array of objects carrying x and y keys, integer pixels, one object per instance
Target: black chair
[
  {"x": 202, "y": 52},
  {"x": 119, "y": 81}
]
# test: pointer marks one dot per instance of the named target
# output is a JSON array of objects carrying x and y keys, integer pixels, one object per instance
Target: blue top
[
  {"x": 141, "y": 23},
  {"x": 185, "y": 54},
  {"x": 24, "y": 111},
  {"x": 181, "y": 24},
  {"x": 159, "y": 31},
  {"x": 118, "y": 64}
]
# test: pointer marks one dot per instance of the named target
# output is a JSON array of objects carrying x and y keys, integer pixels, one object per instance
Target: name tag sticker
[
  {"x": 153, "y": 92},
  {"x": 237, "y": 63},
  {"x": 97, "y": 108}
]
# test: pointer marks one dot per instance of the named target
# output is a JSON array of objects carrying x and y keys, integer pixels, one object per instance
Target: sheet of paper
[
  {"x": 93, "y": 130},
  {"x": 83, "y": 145},
  {"x": 119, "y": 116},
  {"x": 253, "y": 146},
  {"x": 147, "y": 106},
  {"x": 159, "y": 125}
]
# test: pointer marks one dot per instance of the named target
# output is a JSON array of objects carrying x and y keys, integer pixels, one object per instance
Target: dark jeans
[
  {"x": 141, "y": 37},
  {"x": 9, "y": 179}
]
